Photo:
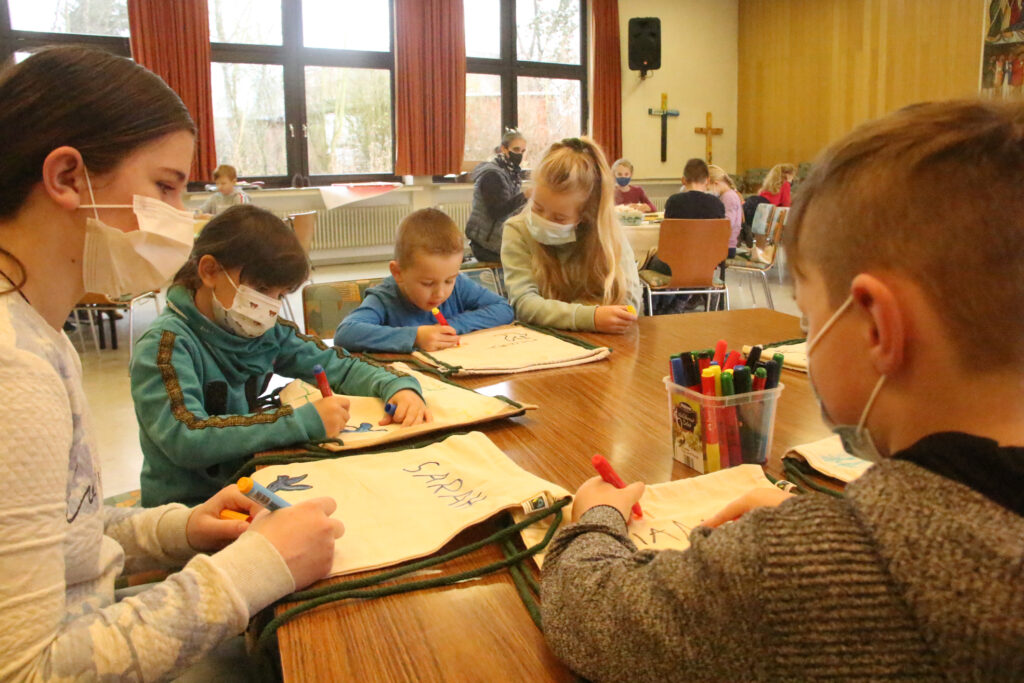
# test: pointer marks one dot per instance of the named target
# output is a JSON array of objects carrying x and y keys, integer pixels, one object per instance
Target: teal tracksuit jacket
[{"x": 195, "y": 388}]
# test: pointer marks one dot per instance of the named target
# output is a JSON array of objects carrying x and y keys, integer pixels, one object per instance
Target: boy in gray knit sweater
[{"x": 906, "y": 247}]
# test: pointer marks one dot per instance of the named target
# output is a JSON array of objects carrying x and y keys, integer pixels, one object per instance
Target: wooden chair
[
  {"x": 94, "y": 305},
  {"x": 304, "y": 226},
  {"x": 692, "y": 248},
  {"x": 325, "y": 304},
  {"x": 766, "y": 245}
]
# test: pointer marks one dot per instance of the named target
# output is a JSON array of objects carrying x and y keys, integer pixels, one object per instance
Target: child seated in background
[
  {"x": 626, "y": 193},
  {"x": 776, "y": 187},
  {"x": 721, "y": 185},
  {"x": 227, "y": 195},
  {"x": 198, "y": 371},
  {"x": 916, "y": 572},
  {"x": 396, "y": 314},
  {"x": 567, "y": 261}
]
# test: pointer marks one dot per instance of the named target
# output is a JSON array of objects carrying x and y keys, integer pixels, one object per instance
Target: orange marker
[
  {"x": 234, "y": 514},
  {"x": 440, "y": 317}
]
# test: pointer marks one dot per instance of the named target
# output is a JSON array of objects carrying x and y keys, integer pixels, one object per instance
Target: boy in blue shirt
[{"x": 396, "y": 314}]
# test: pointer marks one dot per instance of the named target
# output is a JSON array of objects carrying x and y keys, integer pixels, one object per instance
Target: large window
[
  {"x": 524, "y": 70},
  {"x": 26, "y": 25},
  {"x": 302, "y": 89}
]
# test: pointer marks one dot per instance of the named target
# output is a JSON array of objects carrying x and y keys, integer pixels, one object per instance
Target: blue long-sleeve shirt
[{"x": 387, "y": 321}]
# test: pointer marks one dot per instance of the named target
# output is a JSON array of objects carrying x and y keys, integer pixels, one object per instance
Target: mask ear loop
[
  {"x": 92, "y": 197},
  {"x": 828, "y": 324},
  {"x": 870, "y": 403}
]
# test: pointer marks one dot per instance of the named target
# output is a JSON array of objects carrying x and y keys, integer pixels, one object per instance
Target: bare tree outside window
[
  {"x": 255, "y": 22},
  {"x": 483, "y": 116},
  {"x": 548, "y": 31},
  {"x": 90, "y": 17},
  {"x": 348, "y": 112},
  {"x": 549, "y": 110},
  {"x": 248, "y": 118}
]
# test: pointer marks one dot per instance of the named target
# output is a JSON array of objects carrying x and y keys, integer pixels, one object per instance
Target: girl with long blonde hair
[
  {"x": 567, "y": 262},
  {"x": 776, "y": 185},
  {"x": 722, "y": 185}
]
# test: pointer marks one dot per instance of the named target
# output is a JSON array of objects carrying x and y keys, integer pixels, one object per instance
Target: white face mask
[
  {"x": 116, "y": 263},
  {"x": 251, "y": 313},
  {"x": 856, "y": 438},
  {"x": 548, "y": 232}
]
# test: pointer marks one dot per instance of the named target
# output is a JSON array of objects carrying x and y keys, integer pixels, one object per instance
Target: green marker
[{"x": 780, "y": 359}]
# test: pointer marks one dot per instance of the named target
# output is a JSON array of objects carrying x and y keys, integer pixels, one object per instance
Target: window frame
[
  {"x": 12, "y": 40},
  {"x": 294, "y": 58},
  {"x": 509, "y": 68}
]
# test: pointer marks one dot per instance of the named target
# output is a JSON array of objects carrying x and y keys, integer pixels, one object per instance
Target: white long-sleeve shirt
[{"x": 61, "y": 549}]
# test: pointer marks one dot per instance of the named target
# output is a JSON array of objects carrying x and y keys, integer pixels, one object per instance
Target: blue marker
[
  {"x": 390, "y": 408},
  {"x": 261, "y": 494}
]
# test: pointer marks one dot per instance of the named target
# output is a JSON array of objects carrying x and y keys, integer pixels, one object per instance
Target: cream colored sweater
[
  {"x": 525, "y": 296},
  {"x": 61, "y": 549}
]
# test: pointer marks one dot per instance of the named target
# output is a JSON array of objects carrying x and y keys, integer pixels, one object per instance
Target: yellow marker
[
  {"x": 713, "y": 460},
  {"x": 631, "y": 309},
  {"x": 717, "y": 372},
  {"x": 234, "y": 514}
]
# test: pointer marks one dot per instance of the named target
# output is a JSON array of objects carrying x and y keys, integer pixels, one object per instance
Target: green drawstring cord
[
  {"x": 310, "y": 599},
  {"x": 796, "y": 474}
]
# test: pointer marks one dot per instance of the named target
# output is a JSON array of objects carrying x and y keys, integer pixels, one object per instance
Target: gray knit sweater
[{"x": 911, "y": 576}]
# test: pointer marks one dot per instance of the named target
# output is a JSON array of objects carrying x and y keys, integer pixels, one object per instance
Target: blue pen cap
[
  {"x": 317, "y": 369},
  {"x": 390, "y": 408}
]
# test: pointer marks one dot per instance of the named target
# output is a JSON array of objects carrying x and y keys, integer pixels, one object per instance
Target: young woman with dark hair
[
  {"x": 95, "y": 154},
  {"x": 197, "y": 372}
]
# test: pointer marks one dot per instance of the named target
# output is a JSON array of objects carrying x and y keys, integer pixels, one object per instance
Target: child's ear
[
  {"x": 887, "y": 320},
  {"x": 396, "y": 272},
  {"x": 207, "y": 269}
]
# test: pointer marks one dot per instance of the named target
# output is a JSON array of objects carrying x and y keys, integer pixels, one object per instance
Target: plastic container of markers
[{"x": 711, "y": 433}]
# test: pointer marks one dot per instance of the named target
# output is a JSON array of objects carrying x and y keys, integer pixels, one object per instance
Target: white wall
[{"x": 699, "y": 72}]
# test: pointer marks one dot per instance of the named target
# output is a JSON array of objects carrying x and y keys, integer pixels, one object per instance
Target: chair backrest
[
  {"x": 693, "y": 248},
  {"x": 325, "y": 304},
  {"x": 762, "y": 218},
  {"x": 304, "y": 225}
]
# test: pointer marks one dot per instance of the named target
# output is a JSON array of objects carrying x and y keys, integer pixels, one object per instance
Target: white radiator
[
  {"x": 459, "y": 212},
  {"x": 345, "y": 228}
]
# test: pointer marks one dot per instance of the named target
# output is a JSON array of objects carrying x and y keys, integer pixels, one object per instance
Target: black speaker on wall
[{"x": 644, "y": 44}]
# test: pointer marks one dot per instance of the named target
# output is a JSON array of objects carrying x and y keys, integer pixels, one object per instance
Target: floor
[{"x": 108, "y": 390}]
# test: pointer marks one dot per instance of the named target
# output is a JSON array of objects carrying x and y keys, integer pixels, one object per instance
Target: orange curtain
[
  {"x": 606, "y": 126},
  {"x": 430, "y": 86},
  {"x": 172, "y": 39}
]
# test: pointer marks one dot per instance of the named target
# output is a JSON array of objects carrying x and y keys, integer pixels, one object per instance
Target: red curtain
[
  {"x": 606, "y": 123},
  {"x": 172, "y": 39},
  {"x": 430, "y": 86}
]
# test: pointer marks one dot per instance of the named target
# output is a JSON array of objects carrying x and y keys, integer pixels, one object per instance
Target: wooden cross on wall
[
  {"x": 707, "y": 132},
  {"x": 664, "y": 113}
]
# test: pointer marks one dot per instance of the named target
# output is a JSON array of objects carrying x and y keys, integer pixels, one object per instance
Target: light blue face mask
[
  {"x": 549, "y": 232},
  {"x": 856, "y": 438}
]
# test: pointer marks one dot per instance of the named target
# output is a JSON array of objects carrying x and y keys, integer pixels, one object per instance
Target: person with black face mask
[{"x": 497, "y": 194}]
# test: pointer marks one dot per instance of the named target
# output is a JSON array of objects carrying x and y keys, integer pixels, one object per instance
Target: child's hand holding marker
[
  {"x": 333, "y": 410},
  {"x": 408, "y": 409},
  {"x": 436, "y": 337},
  {"x": 600, "y": 491}
]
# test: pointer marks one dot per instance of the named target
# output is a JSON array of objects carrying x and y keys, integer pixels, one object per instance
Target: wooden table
[
  {"x": 479, "y": 630},
  {"x": 642, "y": 238}
]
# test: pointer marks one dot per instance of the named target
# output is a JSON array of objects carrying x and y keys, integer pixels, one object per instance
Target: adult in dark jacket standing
[{"x": 497, "y": 194}]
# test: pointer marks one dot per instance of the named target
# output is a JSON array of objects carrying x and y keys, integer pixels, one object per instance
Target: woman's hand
[
  {"x": 304, "y": 534},
  {"x": 613, "y": 319},
  {"x": 409, "y": 409},
  {"x": 206, "y": 531}
]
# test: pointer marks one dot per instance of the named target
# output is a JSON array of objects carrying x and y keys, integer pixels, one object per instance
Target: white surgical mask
[
  {"x": 116, "y": 263},
  {"x": 251, "y": 314},
  {"x": 856, "y": 438},
  {"x": 549, "y": 232}
]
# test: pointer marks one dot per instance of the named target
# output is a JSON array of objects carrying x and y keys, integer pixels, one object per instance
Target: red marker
[
  {"x": 721, "y": 346},
  {"x": 604, "y": 468},
  {"x": 440, "y": 317},
  {"x": 732, "y": 360},
  {"x": 321, "y": 380}
]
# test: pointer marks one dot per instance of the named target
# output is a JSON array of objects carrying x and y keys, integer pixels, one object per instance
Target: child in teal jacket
[{"x": 198, "y": 371}]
